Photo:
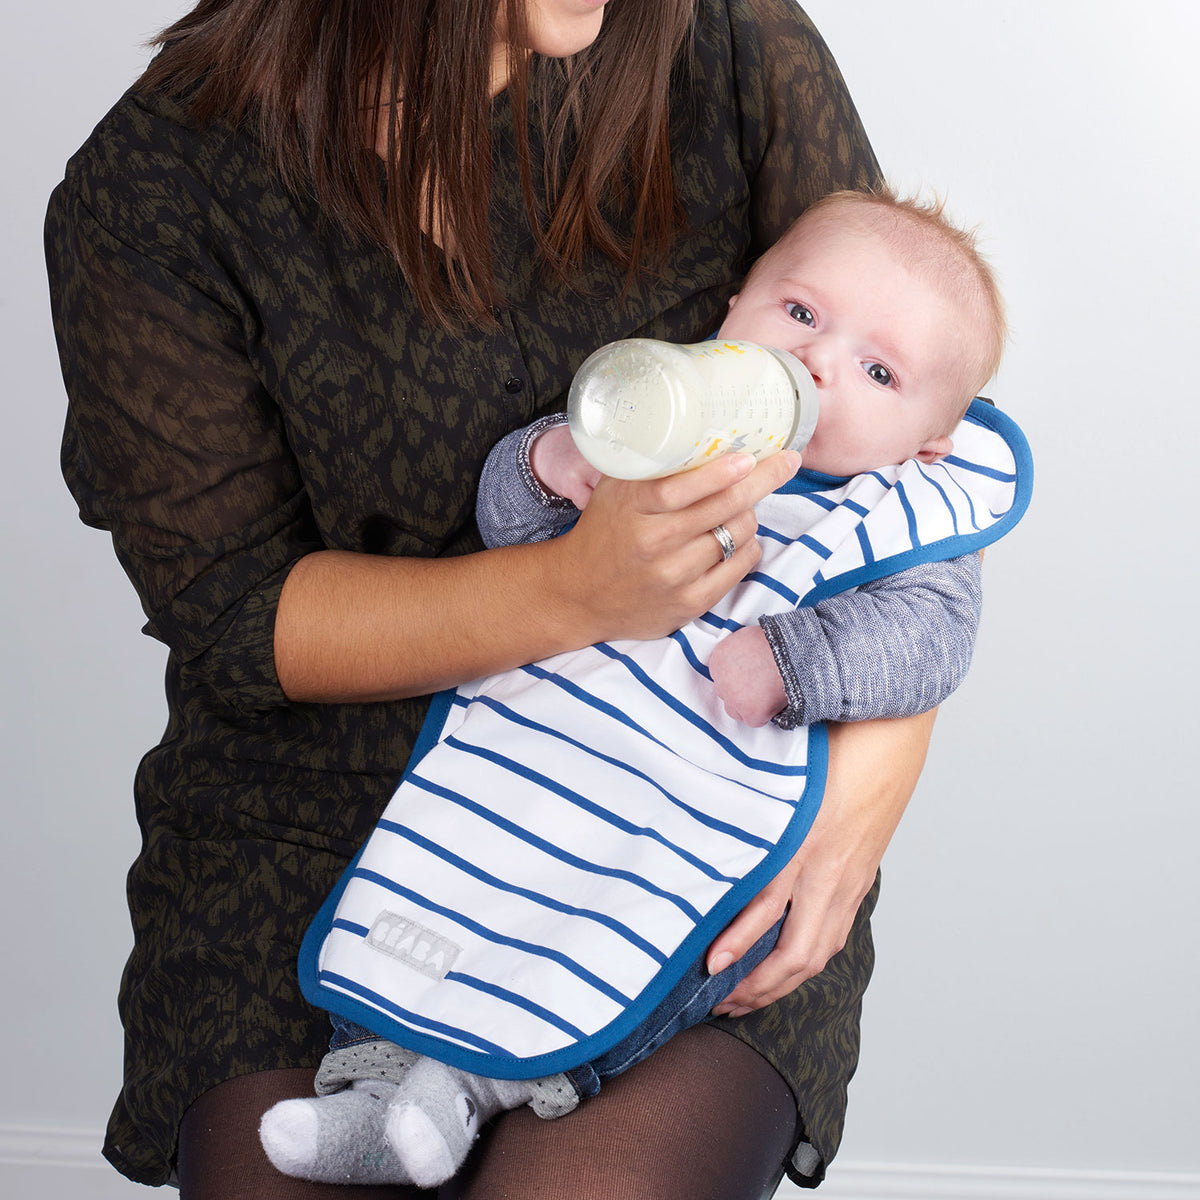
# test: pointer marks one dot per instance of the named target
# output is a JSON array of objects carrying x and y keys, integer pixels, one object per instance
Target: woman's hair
[{"x": 316, "y": 78}]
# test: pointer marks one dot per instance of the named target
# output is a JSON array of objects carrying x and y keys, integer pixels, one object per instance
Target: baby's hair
[{"x": 939, "y": 251}]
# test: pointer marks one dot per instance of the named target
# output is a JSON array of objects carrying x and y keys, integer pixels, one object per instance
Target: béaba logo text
[{"x": 413, "y": 944}]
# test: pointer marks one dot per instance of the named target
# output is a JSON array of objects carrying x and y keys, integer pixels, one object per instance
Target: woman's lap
[{"x": 705, "y": 1116}]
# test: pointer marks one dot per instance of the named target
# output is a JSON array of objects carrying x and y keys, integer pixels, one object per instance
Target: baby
[{"x": 900, "y": 323}]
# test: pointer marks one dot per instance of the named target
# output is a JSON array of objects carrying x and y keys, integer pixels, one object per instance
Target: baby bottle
[{"x": 641, "y": 409}]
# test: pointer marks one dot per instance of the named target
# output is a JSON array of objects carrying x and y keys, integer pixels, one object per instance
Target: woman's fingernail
[
  {"x": 719, "y": 962},
  {"x": 721, "y": 1010}
]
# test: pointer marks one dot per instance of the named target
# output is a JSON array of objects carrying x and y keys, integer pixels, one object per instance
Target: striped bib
[{"x": 570, "y": 836}]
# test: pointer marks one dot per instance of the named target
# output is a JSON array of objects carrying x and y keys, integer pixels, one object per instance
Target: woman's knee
[
  {"x": 221, "y": 1157},
  {"x": 704, "y": 1118}
]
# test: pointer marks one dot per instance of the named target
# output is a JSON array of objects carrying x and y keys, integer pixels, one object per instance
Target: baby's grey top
[{"x": 891, "y": 648}]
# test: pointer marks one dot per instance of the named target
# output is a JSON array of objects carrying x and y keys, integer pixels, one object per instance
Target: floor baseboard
[{"x": 908, "y": 1181}]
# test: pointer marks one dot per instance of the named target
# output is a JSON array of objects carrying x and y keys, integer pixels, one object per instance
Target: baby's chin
[
  {"x": 839, "y": 466},
  {"x": 818, "y": 458},
  {"x": 814, "y": 462},
  {"x": 842, "y": 461}
]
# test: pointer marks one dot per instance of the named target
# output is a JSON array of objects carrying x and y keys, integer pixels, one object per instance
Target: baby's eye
[
  {"x": 879, "y": 373},
  {"x": 801, "y": 313}
]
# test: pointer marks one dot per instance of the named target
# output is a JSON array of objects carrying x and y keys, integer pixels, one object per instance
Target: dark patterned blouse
[{"x": 248, "y": 383}]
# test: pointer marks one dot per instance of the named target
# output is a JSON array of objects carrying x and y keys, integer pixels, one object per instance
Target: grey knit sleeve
[
  {"x": 512, "y": 506},
  {"x": 891, "y": 648}
]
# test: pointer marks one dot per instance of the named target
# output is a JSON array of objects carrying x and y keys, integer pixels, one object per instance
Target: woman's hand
[
  {"x": 642, "y": 560},
  {"x": 873, "y": 768}
]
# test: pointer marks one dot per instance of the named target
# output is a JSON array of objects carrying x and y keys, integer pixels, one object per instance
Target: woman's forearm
[
  {"x": 361, "y": 628},
  {"x": 873, "y": 769},
  {"x": 640, "y": 562}
]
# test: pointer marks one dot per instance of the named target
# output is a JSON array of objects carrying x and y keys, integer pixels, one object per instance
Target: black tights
[{"x": 704, "y": 1118}]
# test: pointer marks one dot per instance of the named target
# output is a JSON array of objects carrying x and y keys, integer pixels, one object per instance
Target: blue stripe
[
  {"x": 477, "y": 872},
  {"x": 350, "y": 927},
  {"x": 623, "y": 718},
  {"x": 864, "y": 543},
  {"x": 820, "y": 550},
  {"x": 913, "y": 532},
  {"x": 725, "y": 827},
  {"x": 828, "y": 503},
  {"x": 970, "y": 502},
  {"x": 773, "y": 585},
  {"x": 716, "y": 622},
  {"x": 537, "y": 1010},
  {"x": 409, "y": 1018},
  {"x": 491, "y": 935},
  {"x": 693, "y": 659},
  {"x": 581, "y": 801},
  {"x": 979, "y": 469},
  {"x": 821, "y": 501},
  {"x": 774, "y": 535},
  {"x": 693, "y": 718},
  {"x": 928, "y": 477}
]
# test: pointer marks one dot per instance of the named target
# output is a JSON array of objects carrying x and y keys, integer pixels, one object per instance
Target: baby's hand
[
  {"x": 560, "y": 468},
  {"x": 746, "y": 678}
]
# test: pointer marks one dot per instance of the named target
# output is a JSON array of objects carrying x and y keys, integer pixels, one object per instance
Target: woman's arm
[
  {"x": 176, "y": 446},
  {"x": 640, "y": 562},
  {"x": 873, "y": 769}
]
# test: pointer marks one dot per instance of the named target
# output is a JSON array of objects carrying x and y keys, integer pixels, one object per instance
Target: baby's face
[{"x": 883, "y": 347}]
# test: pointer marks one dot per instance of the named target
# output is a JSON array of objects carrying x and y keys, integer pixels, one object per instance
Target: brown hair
[
  {"x": 942, "y": 252},
  {"x": 315, "y": 77}
]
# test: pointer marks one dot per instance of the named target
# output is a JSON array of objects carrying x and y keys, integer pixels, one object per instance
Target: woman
[{"x": 315, "y": 264}]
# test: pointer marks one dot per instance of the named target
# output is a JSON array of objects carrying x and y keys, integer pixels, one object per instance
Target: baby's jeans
[{"x": 688, "y": 1003}]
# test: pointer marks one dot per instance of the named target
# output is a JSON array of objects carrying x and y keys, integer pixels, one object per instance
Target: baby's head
[{"x": 895, "y": 314}]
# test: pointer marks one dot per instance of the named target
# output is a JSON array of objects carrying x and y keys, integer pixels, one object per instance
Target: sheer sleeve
[
  {"x": 802, "y": 136},
  {"x": 174, "y": 446}
]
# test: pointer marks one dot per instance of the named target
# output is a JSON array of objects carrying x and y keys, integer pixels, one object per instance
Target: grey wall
[
  {"x": 1036, "y": 990},
  {"x": 1037, "y": 953}
]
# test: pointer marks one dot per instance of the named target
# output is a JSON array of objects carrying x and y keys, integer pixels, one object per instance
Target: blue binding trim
[{"x": 956, "y": 545}]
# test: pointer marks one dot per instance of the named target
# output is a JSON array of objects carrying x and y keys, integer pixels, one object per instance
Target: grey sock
[
  {"x": 437, "y": 1112},
  {"x": 335, "y": 1139}
]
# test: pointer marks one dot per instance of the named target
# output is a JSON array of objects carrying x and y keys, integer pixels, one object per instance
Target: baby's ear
[
  {"x": 935, "y": 450},
  {"x": 732, "y": 302}
]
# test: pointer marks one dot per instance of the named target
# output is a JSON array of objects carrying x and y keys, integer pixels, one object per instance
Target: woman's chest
[{"x": 390, "y": 417}]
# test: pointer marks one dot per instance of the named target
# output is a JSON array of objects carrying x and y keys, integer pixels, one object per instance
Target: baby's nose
[{"x": 817, "y": 362}]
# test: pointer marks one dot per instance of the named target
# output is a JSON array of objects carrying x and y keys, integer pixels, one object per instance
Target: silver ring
[{"x": 725, "y": 541}]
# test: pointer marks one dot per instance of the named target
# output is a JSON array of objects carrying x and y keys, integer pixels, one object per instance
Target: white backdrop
[{"x": 1031, "y": 1027}]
